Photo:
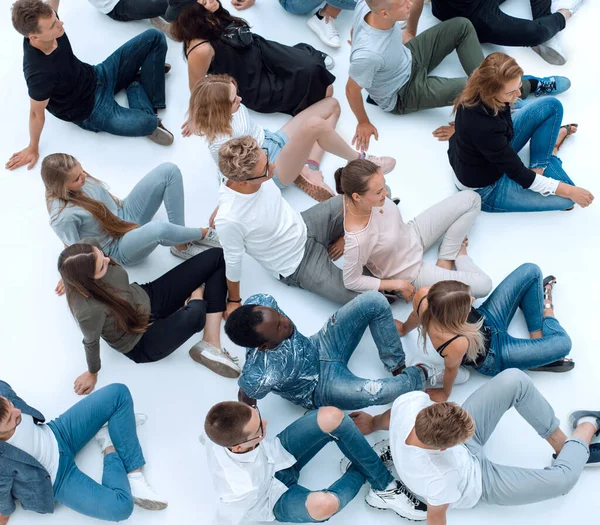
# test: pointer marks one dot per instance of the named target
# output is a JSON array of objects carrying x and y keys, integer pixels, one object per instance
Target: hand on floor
[
  {"x": 85, "y": 383},
  {"x": 28, "y": 156},
  {"x": 444, "y": 133}
]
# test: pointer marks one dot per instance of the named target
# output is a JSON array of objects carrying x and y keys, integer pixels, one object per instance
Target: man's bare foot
[
  {"x": 563, "y": 133},
  {"x": 463, "y": 247}
]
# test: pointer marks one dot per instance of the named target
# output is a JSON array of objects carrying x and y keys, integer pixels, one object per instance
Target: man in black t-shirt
[
  {"x": 77, "y": 92},
  {"x": 495, "y": 26}
]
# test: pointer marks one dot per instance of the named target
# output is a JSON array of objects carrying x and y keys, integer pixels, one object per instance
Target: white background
[{"x": 41, "y": 344}]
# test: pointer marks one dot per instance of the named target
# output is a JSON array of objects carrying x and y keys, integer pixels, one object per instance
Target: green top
[{"x": 96, "y": 320}]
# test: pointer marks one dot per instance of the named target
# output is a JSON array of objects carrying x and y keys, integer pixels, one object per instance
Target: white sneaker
[
  {"x": 435, "y": 375},
  {"x": 103, "y": 437},
  {"x": 216, "y": 359},
  {"x": 570, "y": 5},
  {"x": 143, "y": 494},
  {"x": 386, "y": 164},
  {"x": 211, "y": 240},
  {"x": 399, "y": 499},
  {"x": 191, "y": 250},
  {"x": 552, "y": 51},
  {"x": 326, "y": 31}
]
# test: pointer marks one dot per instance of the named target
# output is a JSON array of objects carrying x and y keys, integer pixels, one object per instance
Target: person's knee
[
  {"x": 334, "y": 107},
  {"x": 171, "y": 171},
  {"x": 375, "y": 301},
  {"x": 122, "y": 507},
  {"x": 120, "y": 391},
  {"x": 316, "y": 125},
  {"x": 329, "y": 418},
  {"x": 474, "y": 199},
  {"x": 530, "y": 270},
  {"x": 513, "y": 379},
  {"x": 322, "y": 505},
  {"x": 463, "y": 24},
  {"x": 157, "y": 36},
  {"x": 482, "y": 287}
]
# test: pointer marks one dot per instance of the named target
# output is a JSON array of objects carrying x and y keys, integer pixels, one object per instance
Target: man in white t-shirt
[
  {"x": 437, "y": 448},
  {"x": 254, "y": 218}
]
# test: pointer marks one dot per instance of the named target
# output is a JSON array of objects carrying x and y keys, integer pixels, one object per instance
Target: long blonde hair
[
  {"x": 487, "y": 81},
  {"x": 56, "y": 170},
  {"x": 448, "y": 307},
  {"x": 210, "y": 106}
]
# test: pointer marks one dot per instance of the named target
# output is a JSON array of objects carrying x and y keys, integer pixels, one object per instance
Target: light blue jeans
[
  {"x": 537, "y": 123},
  {"x": 303, "y": 7},
  {"x": 304, "y": 439},
  {"x": 523, "y": 289},
  {"x": 338, "y": 339},
  {"x": 111, "y": 500},
  {"x": 163, "y": 184}
]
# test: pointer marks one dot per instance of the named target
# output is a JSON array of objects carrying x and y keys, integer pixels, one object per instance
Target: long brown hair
[
  {"x": 354, "y": 177},
  {"x": 487, "y": 81},
  {"x": 210, "y": 106},
  {"x": 77, "y": 266},
  {"x": 56, "y": 170},
  {"x": 448, "y": 307}
]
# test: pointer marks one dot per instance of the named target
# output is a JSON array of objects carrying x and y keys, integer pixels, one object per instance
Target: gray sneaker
[
  {"x": 435, "y": 375},
  {"x": 189, "y": 252},
  {"x": 161, "y": 135},
  {"x": 211, "y": 240},
  {"x": 216, "y": 359}
]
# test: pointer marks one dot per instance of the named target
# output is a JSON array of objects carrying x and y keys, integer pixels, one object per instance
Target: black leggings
[
  {"x": 495, "y": 26},
  {"x": 172, "y": 323}
]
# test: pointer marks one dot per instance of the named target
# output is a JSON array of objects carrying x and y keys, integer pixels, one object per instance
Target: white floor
[{"x": 41, "y": 344}]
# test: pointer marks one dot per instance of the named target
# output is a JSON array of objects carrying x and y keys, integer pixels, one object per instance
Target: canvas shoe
[
  {"x": 552, "y": 51},
  {"x": 191, "y": 250},
  {"x": 325, "y": 30},
  {"x": 216, "y": 359},
  {"x": 399, "y": 499},
  {"x": 435, "y": 375},
  {"x": 103, "y": 437},
  {"x": 161, "y": 135},
  {"x": 210, "y": 240},
  {"x": 549, "y": 85},
  {"x": 143, "y": 494},
  {"x": 575, "y": 416}
]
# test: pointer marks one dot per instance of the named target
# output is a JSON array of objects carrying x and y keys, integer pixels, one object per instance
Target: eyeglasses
[
  {"x": 267, "y": 172},
  {"x": 260, "y": 429}
]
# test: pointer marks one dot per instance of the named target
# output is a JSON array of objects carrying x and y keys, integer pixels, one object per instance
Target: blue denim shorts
[{"x": 274, "y": 142}]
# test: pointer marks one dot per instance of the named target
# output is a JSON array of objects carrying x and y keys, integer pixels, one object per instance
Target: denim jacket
[
  {"x": 291, "y": 369},
  {"x": 22, "y": 477}
]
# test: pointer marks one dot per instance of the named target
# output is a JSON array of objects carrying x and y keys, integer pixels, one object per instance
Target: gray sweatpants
[
  {"x": 317, "y": 272},
  {"x": 451, "y": 219},
  {"x": 505, "y": 485}
]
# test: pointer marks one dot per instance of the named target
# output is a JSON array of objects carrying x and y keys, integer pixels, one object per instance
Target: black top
[
  {"x": 272, "y": 77},
  {"x": 473, "y": 318},
  {"x": 480, "y": 151},
  {"x": 464, "y": 7},
  {"x": 61, "y": 77}
]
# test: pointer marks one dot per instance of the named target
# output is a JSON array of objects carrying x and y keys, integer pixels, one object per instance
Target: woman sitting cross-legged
[
  {"x": 378, "y": 242},
  {"x": 145, "y": 322},
  {"x": 478, "y": 337},
  {"x": 216, "y": 113},
  {"x": 486, "y": 138},
  {"x": 272, "y": 77},
  {"x": 80, "y": 206}
]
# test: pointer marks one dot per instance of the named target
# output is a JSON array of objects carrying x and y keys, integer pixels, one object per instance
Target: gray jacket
[{"x": 22, "y": 477}]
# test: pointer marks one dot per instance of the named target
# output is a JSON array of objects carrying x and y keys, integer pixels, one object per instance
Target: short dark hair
[
  {"x": 241, "y": 326},
  {"x": 4, "y": 409},
  {"x": 225, "y": 422},
  {"x": 26, "y": 15}
]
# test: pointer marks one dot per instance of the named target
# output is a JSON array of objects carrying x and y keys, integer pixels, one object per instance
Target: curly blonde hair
[
  {"x": 444, "y": 425},
  {"x": 209, "y": 112},
  {"x": 238, "y": 158}
]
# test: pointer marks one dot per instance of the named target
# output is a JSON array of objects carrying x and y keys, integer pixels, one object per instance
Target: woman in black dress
[{"x": 271, "y": 77}]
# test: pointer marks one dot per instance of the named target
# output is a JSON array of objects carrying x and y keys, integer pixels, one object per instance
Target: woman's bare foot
[
  {"x": 563, "y": 133},
  {"x": 463, "y": 247}
]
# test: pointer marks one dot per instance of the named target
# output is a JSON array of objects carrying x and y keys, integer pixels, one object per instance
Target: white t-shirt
[
  {"x": 104, "y": 6},
  {"x": 452, "y": 476},
  {"x": 39, "y": 442},
  {"x": 241, "y": 126},
  {"x": 246, "y": 483},
  {"x": 263, "y": 225}
]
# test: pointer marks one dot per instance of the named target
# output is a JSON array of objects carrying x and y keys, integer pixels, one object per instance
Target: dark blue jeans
[
  {"x": 146, "y": 51},
  {"x": 112, "y": 500},
  {"x": 537, "y": 123},
  {"x": 304, "y": 439},
  {"x": 523, "y": 289},
  {"x": 128, "y": 10}
]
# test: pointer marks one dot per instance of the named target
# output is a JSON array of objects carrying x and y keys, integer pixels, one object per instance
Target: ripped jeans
[{"x": 338, "y": 339}]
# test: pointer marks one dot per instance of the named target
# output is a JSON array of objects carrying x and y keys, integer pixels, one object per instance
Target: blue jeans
[
  {"x": 146, "y": 51},
  {"x": 522, "y": 288},
  {"x": 537, "y": 123},
  {"x": 128, "y": 10},
  {"x": 304, "y": 439},
  {"x": 338, "y": 339},
  {"x": 303, "y": 7},
  {"x": 163, "y": 184},
  {"x": 112, "y": 500}
]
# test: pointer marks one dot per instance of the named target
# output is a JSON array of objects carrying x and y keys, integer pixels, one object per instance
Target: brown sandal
[{"x": 569, "y": 133}]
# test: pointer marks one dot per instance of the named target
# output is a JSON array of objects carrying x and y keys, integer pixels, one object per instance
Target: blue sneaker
[
  {"x": 549, "y": 85},
  {"x": 574, "y": 417}
]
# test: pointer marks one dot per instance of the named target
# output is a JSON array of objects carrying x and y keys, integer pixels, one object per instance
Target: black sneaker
[{"x": 594, "y": 459}]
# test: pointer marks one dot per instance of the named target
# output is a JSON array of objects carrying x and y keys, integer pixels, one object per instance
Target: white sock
[
  {"x": 589, "y": 419},
  {"x": 135, "y": 475}
]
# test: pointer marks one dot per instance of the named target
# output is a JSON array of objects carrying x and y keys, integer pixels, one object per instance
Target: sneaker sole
[
  {"x": 217, "y": 367},
  {"x": 162, "y": 137},
  {"x": 150, "y": 504},
  {"x": 397, "y": 513},
  {"x": 319, "y": 193},
  {"x": 550, "y": 56}
]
